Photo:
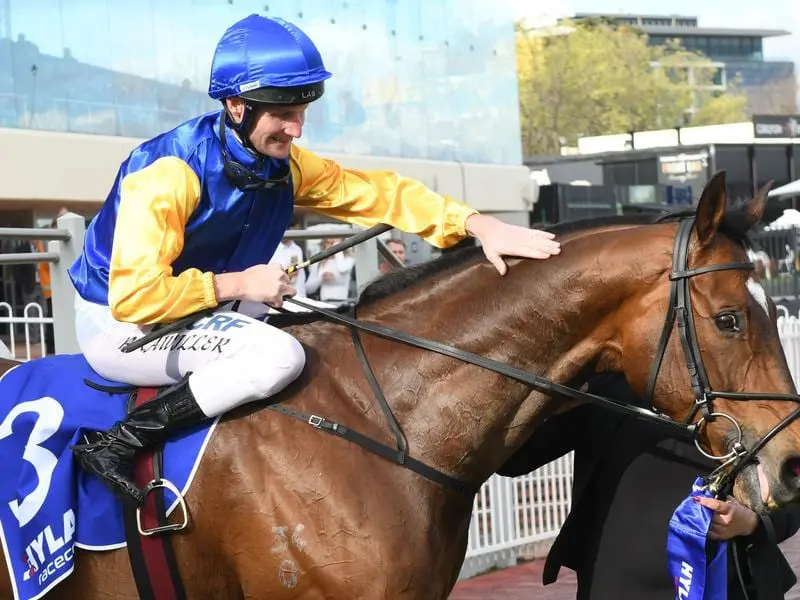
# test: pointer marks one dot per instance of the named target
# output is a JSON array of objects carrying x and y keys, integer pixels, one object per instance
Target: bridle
[{"x": 680, "y": 311}]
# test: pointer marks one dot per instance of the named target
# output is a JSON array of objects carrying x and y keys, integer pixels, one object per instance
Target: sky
[{"x": 781, "y": 14}]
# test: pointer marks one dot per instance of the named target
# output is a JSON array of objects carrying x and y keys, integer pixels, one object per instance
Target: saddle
[{"x": 282, "y": 318}]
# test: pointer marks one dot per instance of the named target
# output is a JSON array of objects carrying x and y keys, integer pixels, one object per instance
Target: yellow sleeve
[
  {"x": 367, "y": 198},
  {"x": 155, "y": 205}
]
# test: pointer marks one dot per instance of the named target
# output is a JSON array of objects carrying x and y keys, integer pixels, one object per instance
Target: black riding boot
[{"x": 110, "y": 454}]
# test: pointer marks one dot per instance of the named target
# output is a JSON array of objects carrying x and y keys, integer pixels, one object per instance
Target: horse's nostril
[
  {"x": 793, "y": 466},
  {"x": 790, "y": 470}
]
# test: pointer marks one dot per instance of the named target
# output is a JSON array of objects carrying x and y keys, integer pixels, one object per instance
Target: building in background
[
  {"x": 668, "y": 168},
  {"x": 770, "y": 84},
  {"x": 424, "y": 88},
  {"x": 415, "y": 79}
]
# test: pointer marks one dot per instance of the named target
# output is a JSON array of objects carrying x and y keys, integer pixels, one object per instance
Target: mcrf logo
[
  {"x": 683, "y": 584},
  {"x": 47, "y": 554}
]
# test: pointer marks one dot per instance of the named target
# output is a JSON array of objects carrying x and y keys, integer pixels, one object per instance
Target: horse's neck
[{"x": 540, "y": 317}]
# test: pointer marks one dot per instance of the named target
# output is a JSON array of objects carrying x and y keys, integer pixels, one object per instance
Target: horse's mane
[{"x": 734, "y": 225}]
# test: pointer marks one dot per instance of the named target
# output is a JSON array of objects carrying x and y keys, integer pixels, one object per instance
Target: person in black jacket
[{"x": 628, "y": 479}]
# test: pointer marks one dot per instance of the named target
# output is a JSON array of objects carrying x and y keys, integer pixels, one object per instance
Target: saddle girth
[{"x": 152, "y": 558}]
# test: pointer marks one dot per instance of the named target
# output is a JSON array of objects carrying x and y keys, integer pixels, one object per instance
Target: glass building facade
[
  {"x": 725, "y": 48},
  {"x": 432, "y": 79}
]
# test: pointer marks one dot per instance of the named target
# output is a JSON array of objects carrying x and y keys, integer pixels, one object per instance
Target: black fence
[
  {"x": 776, "y": 251},
  {"x": 559, "y": 202},
  {"x": 562, "y": 202}
]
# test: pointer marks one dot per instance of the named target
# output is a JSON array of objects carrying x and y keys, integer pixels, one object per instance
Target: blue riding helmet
[
  {"x": 267, "y": 61},
  {"x": 263, "y": 61}
]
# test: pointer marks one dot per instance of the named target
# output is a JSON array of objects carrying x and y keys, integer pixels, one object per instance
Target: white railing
[
  {"x": 511, "y": 516},
  {"x": 789, "y": 330},
  {"x": 64, "y": 244},
  {"x": 32, "y": 345}
]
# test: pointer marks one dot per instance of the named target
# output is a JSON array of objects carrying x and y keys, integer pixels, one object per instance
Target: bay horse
[{"x": 281, "y": 510}]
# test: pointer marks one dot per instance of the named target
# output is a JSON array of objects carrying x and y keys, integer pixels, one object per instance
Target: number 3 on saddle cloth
[{"x": 48, "y": 504}]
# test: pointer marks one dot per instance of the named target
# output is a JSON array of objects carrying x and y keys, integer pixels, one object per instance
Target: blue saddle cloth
[{"x": 48, "y": 504}]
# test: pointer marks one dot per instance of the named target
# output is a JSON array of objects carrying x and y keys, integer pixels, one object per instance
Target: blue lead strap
[{"x": 697, "y": 573}]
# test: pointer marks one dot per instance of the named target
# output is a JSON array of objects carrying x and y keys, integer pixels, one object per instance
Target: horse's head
[{"x": 723, "y": 339}]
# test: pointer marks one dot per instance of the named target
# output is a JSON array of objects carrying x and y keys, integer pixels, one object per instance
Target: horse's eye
[{"x": 728, "y": 321}]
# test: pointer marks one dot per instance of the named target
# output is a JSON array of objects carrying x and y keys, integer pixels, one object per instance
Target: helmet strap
[
  {"x": 242, "y": 177},
  {"x": 242, "y": 126}
]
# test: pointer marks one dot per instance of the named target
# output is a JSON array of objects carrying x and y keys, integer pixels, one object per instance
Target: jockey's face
[{"x": 272, "y": 128}]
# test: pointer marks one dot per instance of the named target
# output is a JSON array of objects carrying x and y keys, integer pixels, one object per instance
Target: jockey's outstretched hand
[{"x": 500, "y": 239}]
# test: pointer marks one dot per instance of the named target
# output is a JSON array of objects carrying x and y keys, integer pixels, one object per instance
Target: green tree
[{"x": 597, "y": 79}]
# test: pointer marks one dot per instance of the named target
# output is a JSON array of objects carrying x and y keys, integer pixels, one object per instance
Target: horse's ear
[
  {"x": 754, "y": 209},
  {"x": 711, "y": 208}
]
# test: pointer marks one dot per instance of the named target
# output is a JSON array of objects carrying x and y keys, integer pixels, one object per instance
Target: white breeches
[{"x": 233, "y": 357}]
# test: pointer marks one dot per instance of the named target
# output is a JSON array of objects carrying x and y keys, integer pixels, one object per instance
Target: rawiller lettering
[{"x": 44, "y": 554}]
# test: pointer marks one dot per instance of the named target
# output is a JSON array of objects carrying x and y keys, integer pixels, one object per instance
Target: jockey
[{"x": 192, "y": 219}]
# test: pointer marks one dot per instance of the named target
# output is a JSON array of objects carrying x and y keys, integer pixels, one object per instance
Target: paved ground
[
  {"x": 524, "y": 582},
  {"x": 517, "y": 583}
]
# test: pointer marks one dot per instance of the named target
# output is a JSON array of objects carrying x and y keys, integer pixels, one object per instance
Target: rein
[
  {"x": 399, "y": 455},
  {"x": 679, "y": 311},
  {"x": 537, "y": 382}
]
